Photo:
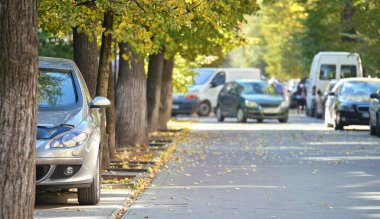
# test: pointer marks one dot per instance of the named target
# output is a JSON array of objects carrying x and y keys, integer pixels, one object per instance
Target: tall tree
[
  {"x": 86, "y": 57},
  {"x": 131, "y": 113},
  {"x": 165, "y": 110},
  {"x": 102, "y": 83},
  {"x": 18, "y": 107},
  {"x": 155, "y": 69}
]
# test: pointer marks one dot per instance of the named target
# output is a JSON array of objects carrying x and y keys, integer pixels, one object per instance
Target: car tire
[
  {"x": 91, "y": 195},
  {"x": 377, "y": 127},
  {"x": 260, "y": 120},
  {"x": 240, "y": 116},
  {"x": 338, "y": 125},
  {"x": 204, "y": 109},
  {"x": 372, "y": 130},
  {"x": 219, "y": 115},
  {"x": 283, "y": 120}
]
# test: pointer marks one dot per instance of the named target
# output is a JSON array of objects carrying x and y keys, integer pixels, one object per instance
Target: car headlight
[
  {"x": 249, "y": 103},
  {"x": 284, "y": 104},
  {"x": 69, "y": 139}
]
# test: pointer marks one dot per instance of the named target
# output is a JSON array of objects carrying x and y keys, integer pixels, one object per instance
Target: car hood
[
  {"x": 193, "y": 88},
  {"x": 365, "y": 99},
  {"x": 53, "y": 118},
  {"x": 263, "y": 98}
]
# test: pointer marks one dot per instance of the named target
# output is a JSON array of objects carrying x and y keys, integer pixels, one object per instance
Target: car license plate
[
  {"x": 270, "y": 110},
  {"x": 174, "y": 106},
  {"x": 365, "y": 115}
]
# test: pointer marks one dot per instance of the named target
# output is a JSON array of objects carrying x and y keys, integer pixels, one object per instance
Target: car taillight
[
  {"x": 314, "y": 90},
  {"x": 188, "y": 97}
]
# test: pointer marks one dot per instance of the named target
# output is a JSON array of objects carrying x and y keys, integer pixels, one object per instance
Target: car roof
[
  {"x": 249, "y": 81},
  {"x": 56, "y": 63}
]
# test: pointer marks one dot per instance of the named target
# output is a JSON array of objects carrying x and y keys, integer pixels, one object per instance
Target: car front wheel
[
  {"x": 338, "y": 124},
  {"x": 240, "y": 116},
  {"x": 283, "y": 120},
  {"x": 91, "y": 195},
  {"x": 377, "y": 128},
  {"x": 219, "y": 115}
]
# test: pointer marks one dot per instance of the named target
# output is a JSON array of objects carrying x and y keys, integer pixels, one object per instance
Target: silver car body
[{"x": 51, "y": 162}]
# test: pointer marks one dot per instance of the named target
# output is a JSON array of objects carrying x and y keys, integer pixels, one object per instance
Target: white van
[
  {"x": 327, "y": 66},
  {"x": 209, "y": 81}
]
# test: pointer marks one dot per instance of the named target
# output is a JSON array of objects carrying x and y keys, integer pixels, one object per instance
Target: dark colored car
[
  {"x": 185, "y": 104},
  {"x": 374, "y": 113},
  {"x": 348, "y": 102},
  {"x": 251, "y": 99}
]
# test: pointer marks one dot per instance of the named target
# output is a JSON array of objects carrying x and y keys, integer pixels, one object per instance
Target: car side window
[
  {"x": 348, "y": 71},
  {"x": 233, "y": 90},
  {"x": 219, "y": 79},
  {"x": 327, "y": 72}
]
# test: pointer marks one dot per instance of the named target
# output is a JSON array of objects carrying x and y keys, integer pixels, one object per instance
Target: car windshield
[
  {"x": 359, "y": 88},
  {"x": 56, "y": 88},
  {"x": 257, "y": 88},
  {"x": 202, "y": 75}
]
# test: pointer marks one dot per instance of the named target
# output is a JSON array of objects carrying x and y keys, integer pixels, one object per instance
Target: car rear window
[
  {"x": 327, "y": 72},
  {"x": 348, "y": 71},
  {"x": 56, "y": 88}
]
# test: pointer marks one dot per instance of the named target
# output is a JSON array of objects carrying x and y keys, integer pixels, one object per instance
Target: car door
[
  {"x": 233, "y": 100},
  {"x": 216, "y": 86},
  {"x": 222, "y": 98}
]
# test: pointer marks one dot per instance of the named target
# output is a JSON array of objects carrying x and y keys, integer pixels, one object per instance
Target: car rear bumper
[{"x": 185, "y": 106}]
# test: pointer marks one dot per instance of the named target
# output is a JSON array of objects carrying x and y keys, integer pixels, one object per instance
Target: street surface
[{"x": 267, "y": 170}]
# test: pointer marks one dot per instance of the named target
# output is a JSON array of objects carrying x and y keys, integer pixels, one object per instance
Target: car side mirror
[
  {"x": 331, "y": 93},
  {"x": 100, "y": 102},
  {"x": 374, "y": 96},
  {"x": 213, "y": 84}
]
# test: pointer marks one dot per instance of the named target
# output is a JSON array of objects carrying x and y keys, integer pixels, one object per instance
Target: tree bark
[
  {"x": 102, "y": 84},
  {"x": 131, "y": 109},
  {"x": 110, "y": 112},
  {"x": 166, "y": 94},
  {"x": 86, "y": 58},
  {"x": 18, "y": 107},
  {"x": 155, "y": 69}
]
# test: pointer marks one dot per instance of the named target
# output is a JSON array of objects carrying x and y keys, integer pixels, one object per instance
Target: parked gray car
[{"x": 68, "y": 132}]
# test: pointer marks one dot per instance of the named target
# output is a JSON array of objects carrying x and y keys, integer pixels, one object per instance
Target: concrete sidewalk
[
  {"x": 268, "y": 170},
  {"x": 66, "y": 205}
]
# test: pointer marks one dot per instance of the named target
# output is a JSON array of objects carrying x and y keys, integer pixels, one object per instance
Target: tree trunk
[
  {"x": 110, "y": 112},
  {"x": 131, "y": 110},
  {"x": 18, "y": 107},
  {"x": 86, "y": 58},
  {"x": 155, "y": 68},
  {"x": 103, "y": 75},
  {"x": 166, "y": 94}
]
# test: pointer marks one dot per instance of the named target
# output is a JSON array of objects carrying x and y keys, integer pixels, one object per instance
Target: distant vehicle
[
  {"x": 348, "y": 102},
  {"x": 209, "y": 82},
  {"x": 328, "y": 66},
  {"x": 251, "y": 99},
  {"x": 68, "y": 131},
  {"x": 185, "y": 104},
  {"x": 374, "y": 113}
]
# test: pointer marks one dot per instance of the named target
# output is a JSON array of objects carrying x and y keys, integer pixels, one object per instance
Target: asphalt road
[{"x": 268, "y": 170}]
